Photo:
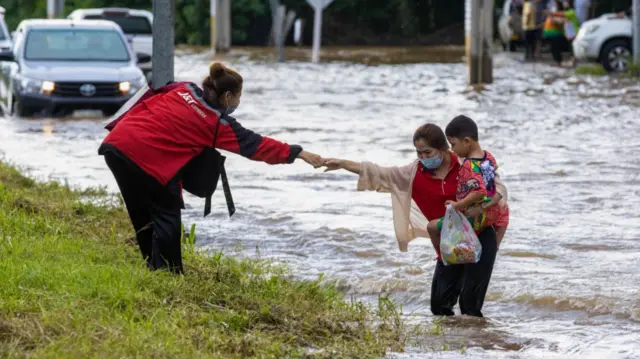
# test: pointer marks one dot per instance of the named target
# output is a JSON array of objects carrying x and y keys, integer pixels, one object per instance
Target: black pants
[
  {"x": 468, "y": 282},
  {"x": 150, "y": 203},
  {"x": 530, "y": 38},
  {"x": 558, "y": 44}
]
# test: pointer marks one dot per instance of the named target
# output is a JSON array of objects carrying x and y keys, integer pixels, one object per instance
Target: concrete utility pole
[
  {"x": 318, "y": 6},
  {"x": 478, "y": 40},
  {"x": 281, "y": 25},
  {"x": 223, "y": 26},
  {"x": 636, "y": 32},
  {"x": 277, "y": 20},
  {"x": 213, "y": 8},
  {"x": 163, "y": 46},
  {"x": 51, "y": 9},
  {"x": 55, "y": 9}
]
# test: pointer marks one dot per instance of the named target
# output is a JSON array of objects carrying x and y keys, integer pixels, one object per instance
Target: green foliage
[
  {"x": 345, "y": 21},
  {"x": 597, "y": 70},
  {"x": 591, "y": 69}
]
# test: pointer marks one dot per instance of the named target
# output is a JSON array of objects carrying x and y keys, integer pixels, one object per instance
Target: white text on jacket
[{"x": 193, "y": 103}]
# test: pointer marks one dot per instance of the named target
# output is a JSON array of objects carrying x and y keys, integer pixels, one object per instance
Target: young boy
[{"x": 476, "y": 183}]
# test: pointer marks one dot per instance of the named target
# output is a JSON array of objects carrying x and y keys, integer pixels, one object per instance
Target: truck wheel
[
  {"x": 615, "y": 55},
  {"x": 21, "y": 110}
]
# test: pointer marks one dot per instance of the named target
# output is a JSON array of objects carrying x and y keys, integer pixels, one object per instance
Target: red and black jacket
[{"x": 166, "y": 128}]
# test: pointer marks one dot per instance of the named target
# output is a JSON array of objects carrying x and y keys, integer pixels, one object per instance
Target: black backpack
[{"x": 201, "y": 174}]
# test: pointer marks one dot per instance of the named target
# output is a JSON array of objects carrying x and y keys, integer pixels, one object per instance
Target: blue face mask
[
  {"x": 231, "y": 109},
  {"x": 431, "y": 163}
]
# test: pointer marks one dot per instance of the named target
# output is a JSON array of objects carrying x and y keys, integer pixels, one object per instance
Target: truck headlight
[
  {"x": 124, "y": 87},
  {"x": 47, "y": 87},
  {"x": 131, "y": 87},
  {"x": 29, "y": 85}
]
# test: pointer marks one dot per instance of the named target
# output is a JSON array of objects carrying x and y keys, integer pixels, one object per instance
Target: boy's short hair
[{"x": 462, "y": 126}]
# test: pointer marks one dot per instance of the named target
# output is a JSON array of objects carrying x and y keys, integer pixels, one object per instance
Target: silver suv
[{"x": 58, "y": 66}]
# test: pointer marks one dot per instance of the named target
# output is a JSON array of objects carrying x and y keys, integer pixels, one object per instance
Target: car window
[
  {"x": 130, "y": 25},
  {"x": 75, "y": 45}
]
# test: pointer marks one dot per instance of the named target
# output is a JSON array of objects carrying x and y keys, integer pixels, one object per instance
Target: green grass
[
  {"x": 598, "y": 70},
  {"x": 73, "y": 285},
  {"x": 591, "y": 69}
]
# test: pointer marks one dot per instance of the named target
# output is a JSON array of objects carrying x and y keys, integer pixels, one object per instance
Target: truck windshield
[
  {"x": 75, "y": 45},
  {"x": 130, "y": 25}
]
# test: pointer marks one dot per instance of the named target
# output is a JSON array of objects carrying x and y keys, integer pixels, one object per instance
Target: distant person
[
  {"x": 529, "y": 28},
  {"x": 173, "y": 131},
  {"x": 419, "y": 191},
  {"x": 554, "y": 33},
  {"x": 542, "y": 9},
  {"x": 515, "y": 19},
  {"x": 516, "y": 7},
  {"x": 571, "y": 28}
]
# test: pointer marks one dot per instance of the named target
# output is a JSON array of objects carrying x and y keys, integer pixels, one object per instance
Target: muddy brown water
[{"x": 565, "y": 284}]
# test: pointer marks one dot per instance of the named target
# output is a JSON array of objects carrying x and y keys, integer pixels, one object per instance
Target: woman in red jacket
[{"x": 150, "y": 145}]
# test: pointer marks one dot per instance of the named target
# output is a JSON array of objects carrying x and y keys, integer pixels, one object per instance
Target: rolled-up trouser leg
[{"x": 166, "y": 246}]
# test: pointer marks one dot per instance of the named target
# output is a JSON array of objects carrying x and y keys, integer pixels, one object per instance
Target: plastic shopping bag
[{"x": 458, "y": 242}]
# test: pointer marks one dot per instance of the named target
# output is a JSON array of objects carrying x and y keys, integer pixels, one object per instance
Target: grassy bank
[{"x": 72, "y": 285}]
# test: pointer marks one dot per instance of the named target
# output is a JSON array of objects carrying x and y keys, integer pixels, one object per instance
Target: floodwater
[{"x": 565, "y": 284}]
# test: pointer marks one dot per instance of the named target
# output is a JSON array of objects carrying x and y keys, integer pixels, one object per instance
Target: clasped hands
[{"x": 317, "y": 161}]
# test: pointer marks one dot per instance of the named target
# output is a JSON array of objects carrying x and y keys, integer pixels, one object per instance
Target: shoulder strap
[
  {"x": 215, "y": 133},
  {"x": 223, "y": 176}
]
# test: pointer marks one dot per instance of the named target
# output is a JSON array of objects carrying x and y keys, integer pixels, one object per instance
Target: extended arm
[
  {"x": 374, "y": 177},
  {"x": 234, "y": 138}
]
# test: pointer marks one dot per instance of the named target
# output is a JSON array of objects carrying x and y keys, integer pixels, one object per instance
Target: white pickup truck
[
  {"x": 606, "y": 39},
  {"x": 136, "y": 24}
]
